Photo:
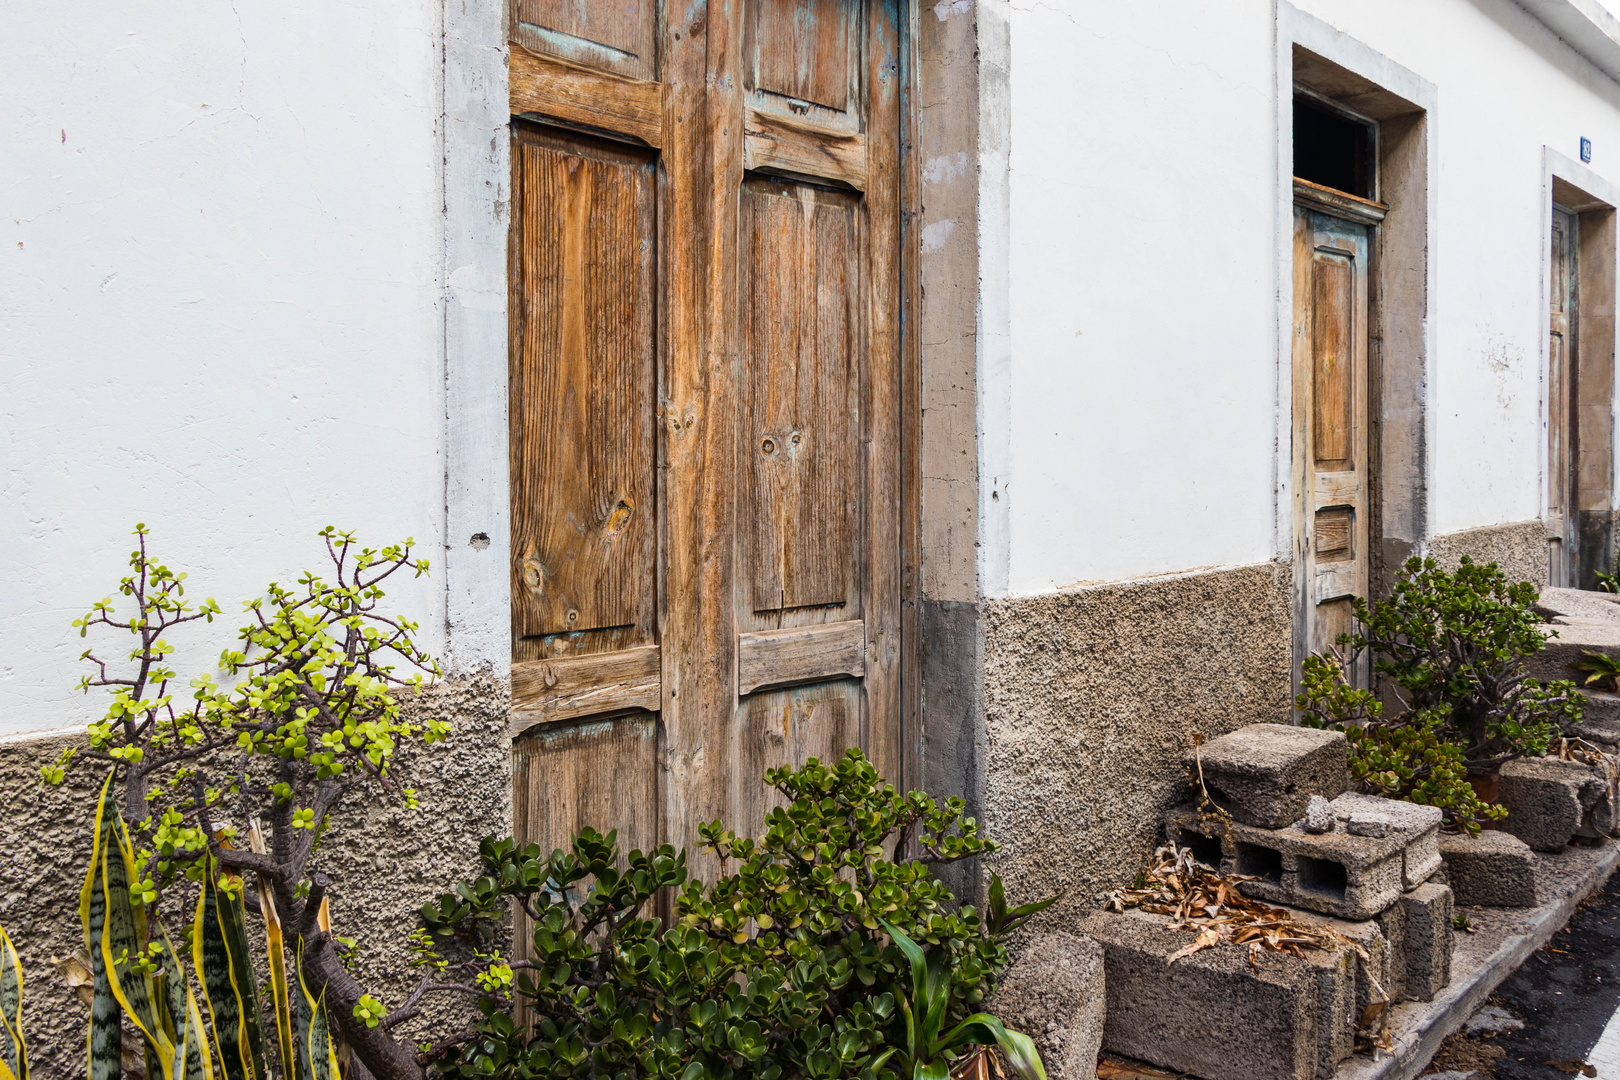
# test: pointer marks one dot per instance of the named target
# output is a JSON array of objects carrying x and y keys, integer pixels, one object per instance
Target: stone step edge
[{"x": 1422, "y": 1026}]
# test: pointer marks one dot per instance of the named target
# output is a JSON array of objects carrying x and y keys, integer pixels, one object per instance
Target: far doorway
[{"x": 1336, "y": 215}]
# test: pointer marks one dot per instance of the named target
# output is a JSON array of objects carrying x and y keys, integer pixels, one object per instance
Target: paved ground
[{"x": 1567, "y": 996}]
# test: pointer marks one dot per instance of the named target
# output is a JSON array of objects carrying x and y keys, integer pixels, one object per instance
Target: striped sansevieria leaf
[
  {"x": 123, "y": 943},
  {"x": 106, "y": 1032},
  {"x": 317, "y": 1049},
  {"x": 277, "y": 956},
  {"x": 219, "y": 952},
  {"x": 193, "y": 1061},
  {"x": 13, "y": 1050}
]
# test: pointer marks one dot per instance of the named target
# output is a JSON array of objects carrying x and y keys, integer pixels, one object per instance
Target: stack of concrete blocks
[{"x": 1223, "y": 1015}]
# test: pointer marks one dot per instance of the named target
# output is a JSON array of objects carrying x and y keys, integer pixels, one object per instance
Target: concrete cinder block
[
  {"x": 1427, "y": 940},
  {"x": 1351, "y": 877},
  {"x": 1377, "y": 978},
  {"x": 1055, "y": 995},
  {"x": 1264, "y": 774},
  {"x": 1579, "y": 604},
  {"x": 1493, "y": 869},
  {"x": 1212, "y": 1014},
  {"x": 1568, "y": 639},
  {"x": 1543, "y": 800},
  {"x": 1418, "y": 826}
]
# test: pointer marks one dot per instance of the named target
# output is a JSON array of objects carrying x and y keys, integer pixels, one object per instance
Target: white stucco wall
[
  {"x": 1144, "y": 279},
  {"x": 1507, "y": 88},
  {"x": 219, "y": 289}
]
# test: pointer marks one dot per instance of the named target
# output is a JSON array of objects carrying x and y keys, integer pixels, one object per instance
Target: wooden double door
[{"x": 705, "y": 405}]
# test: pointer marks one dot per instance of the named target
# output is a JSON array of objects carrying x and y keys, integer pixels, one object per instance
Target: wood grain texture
[
  {"x": 883, "y": 583},
  {"x": 1333, "y": 318},
  {"x": 544, "y": 691},
  {"x": 1338, "y": 203},
  {"x": 907, "y": 755},
  {"x": 1561, "y": 362},
  {"x": 775, "y": 145},
  {"x": 581, "y": 387},
  {"x": 603, "y": 774},
  {"x": 804, "y": 49},
  {"x": 546, "y": 86},
  {"x": 802, "y": 654},
  {"x": 803, "y": 352},
  {"x": 702, "y": 170},
  {"x": 1333, "y": 532},
  {"x": 613, "y": 35},
  {"x": 789, "y": 727}
]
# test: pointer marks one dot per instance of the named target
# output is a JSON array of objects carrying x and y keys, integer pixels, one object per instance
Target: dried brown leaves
[{"x": 1197, "y": 898}]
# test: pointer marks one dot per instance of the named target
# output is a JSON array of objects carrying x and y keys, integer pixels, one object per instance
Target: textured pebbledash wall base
[
  {"x": 1091, "y": 698},
  {"x": 1520, "y": 549},
  {"x": 384, "y": 861}
]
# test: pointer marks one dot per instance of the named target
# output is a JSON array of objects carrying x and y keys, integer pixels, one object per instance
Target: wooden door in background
[
  {"x": 1332, "y": 315},
  {"x": 705, "y": 406},
  {"x": 1563, "y": 546}
]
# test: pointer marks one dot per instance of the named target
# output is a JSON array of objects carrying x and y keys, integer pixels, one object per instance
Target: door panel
[
  {"x": 581, "y": 393},
  {"x": 1331, "y": 428},
  {"x": 790, "y": 726},
  {"x": 802, "y": 359},
  {"x": 612, "y": 35},
  {"x": 706, "y": 410}
]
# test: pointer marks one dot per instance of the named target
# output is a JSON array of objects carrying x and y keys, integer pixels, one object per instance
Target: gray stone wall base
[
  {"x": 1520, "y": 549},
  {"x": 1090, "y": 700}
]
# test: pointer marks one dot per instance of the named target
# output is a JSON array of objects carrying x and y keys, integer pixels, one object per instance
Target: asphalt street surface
[{"x": 1567, "y": 994}]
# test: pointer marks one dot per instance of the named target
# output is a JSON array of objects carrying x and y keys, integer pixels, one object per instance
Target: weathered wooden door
[
  {"x": 1331, "y": 431},
  {"x": 1563, "y": 547},
  {"x": 705, "y": 405}
]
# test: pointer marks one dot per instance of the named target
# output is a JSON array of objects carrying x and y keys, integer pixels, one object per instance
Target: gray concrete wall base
[
  {"x": 1520, "y": 549},
  {"x": 384, "y": 861},
  {"x": 1091, "y": 698}
]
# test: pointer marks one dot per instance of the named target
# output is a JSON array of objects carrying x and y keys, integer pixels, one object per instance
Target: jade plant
[
  {"x": 217, "y": 799},
  {"x": 1449, "y": 650},
  {"x": 800, "y": 961}
]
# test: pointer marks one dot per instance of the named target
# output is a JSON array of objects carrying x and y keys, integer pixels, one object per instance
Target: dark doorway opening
[{"x": 1332, "y": 149}]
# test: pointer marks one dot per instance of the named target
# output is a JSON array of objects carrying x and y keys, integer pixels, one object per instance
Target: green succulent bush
[
  {"x": 1449, "y": 649},
  {"x": 797, "y": 962}
]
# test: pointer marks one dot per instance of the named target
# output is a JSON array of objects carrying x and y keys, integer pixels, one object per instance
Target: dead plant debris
[
  {"x": 1197, "y": 898},
  {"x": 1468, "y": 1054}
]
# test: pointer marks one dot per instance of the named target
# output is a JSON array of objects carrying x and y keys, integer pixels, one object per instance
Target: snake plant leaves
[
  {"x": 169, "y": 990},
  {"x": 192, "y": 1059},
  {"x": 122, "y": 945},
  {"x": 105, "y": 1044},
  {"x": 317, "y": 1050},
  {"x": 219, "y": 952},
  {"x": 13, "y": 1050}
]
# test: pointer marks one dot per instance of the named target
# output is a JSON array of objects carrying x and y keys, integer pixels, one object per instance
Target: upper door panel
[{"x": 620, "y": 36}]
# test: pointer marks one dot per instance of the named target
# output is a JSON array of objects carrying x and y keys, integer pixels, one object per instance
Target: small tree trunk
[{"x": 378, "y": 1053}]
